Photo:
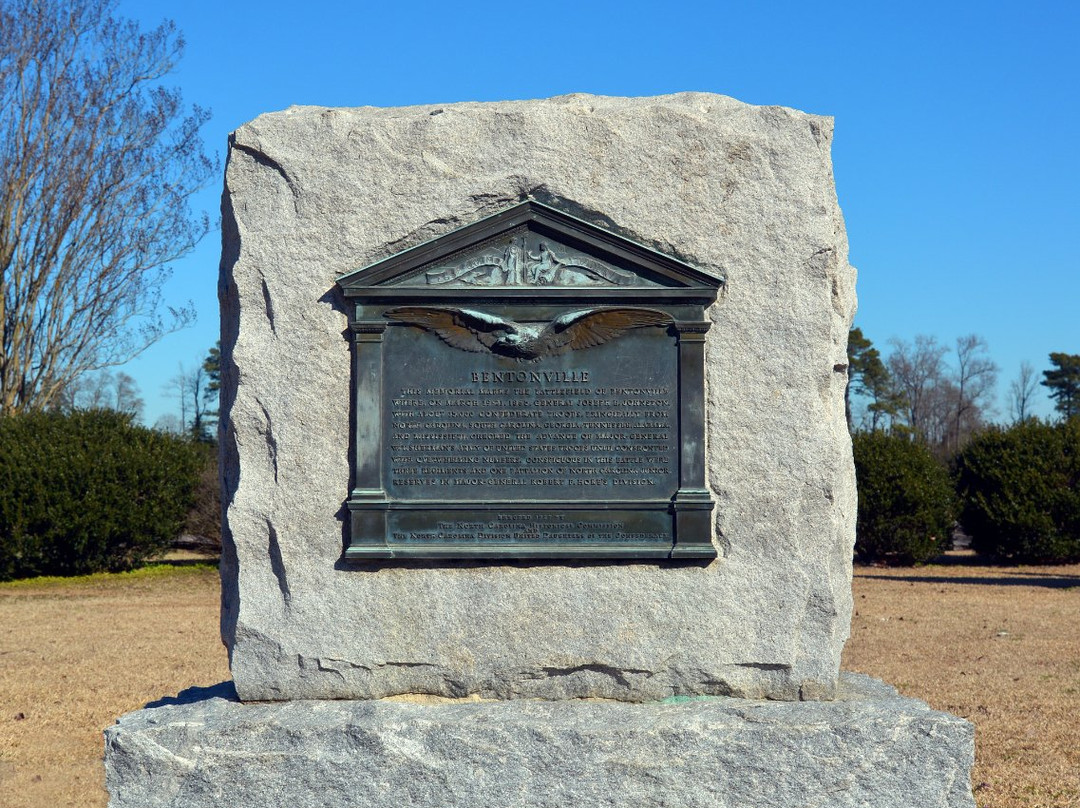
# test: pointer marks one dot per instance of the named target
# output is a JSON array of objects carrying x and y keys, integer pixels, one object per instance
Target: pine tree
[
  {"x": 868, "y": 376},
  {"x": 1064, "y": 383}
]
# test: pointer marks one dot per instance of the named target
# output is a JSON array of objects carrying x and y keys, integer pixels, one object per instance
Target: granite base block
[{"x": 870, "y": 748}]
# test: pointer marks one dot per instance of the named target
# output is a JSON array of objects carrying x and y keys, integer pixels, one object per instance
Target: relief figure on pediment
[{"x": 518, "y": 266}]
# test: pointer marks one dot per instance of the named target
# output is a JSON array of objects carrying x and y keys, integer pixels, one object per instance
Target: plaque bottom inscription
[{"x": 531, "y": 533}]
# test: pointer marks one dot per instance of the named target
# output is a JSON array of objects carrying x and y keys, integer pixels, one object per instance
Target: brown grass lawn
[
  {"x": 75, "y": 656},
  {"x": 999, "y": 646}
]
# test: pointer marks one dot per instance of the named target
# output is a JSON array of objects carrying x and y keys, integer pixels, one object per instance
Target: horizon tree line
[{"x": 941, "y": 396}]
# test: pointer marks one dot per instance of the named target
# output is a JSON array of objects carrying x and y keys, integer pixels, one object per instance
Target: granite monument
[{"x": 538, "y": 484}]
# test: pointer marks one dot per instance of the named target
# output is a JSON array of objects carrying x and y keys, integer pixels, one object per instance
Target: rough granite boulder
[
  {"x": 868, "y": 748},
  {"x": 733, "y": 189}
]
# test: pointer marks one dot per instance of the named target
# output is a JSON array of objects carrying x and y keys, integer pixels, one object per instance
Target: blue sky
[{"x": 957, "y": 147}]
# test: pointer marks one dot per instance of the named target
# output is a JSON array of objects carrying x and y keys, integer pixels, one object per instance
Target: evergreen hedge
[
  {"x": 1020, "y": 489},
  {"x": 906, "y": 500},
  {"x": 89, "y": 491}
]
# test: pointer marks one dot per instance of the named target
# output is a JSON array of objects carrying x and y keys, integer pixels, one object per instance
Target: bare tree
[
  {"x": 177, "y": 386},
  {"x": 169, "y": 423},
  {"x": 974, "y": 381},
  {"x": 189, "y": 387},
  {"x": 1022, "y": 392},
  {"x": 920, "y": 375},
  {"x": 93, "y": 391},
  {"x": 943, "y": 405},
  {"x": 101, "y": 390},
  {"x": 196, "y": 388},
  {"x": 126, "y": 396},
  {"x": 98, "y": 161}
]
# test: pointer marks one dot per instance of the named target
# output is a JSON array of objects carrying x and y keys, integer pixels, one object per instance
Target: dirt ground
[{"x": 999, "y": 646}]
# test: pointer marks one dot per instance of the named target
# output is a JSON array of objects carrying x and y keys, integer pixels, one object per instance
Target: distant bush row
[
  {"x": 1015, "y": 491},
  {"x": 90, "y": 491}
]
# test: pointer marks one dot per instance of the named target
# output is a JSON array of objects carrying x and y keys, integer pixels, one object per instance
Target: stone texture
[
  {"x": 870, "y": 748},
  {"x": 312, "y": 193}
]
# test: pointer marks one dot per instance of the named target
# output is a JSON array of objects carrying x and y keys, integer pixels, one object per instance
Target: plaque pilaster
[
  {"x": 367, "y": 499},
  {"x": 692, "y": 504}
]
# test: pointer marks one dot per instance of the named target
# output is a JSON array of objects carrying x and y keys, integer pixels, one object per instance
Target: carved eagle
[{"x": 479, "y": 332}]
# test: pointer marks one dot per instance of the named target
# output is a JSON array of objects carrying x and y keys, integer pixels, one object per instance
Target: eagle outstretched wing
[
  {"x": 478, "y": 332},
  {"x": 592, "y": 327},
  {"x": 460, "y": 328}
]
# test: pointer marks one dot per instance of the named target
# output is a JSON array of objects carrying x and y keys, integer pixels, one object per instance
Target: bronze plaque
[{"x": 529, "y": 387}]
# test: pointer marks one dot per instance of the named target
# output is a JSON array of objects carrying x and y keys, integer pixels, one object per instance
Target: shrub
[
  {"x": 88, "y": 491},
  {"x": 906, "y": 500},
  {"x": 1020, "y": 489}
]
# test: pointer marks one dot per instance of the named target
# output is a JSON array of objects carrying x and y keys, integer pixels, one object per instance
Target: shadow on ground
[
  {"x": 222, "y": 690},
  {"x": 1010, "y": 575},
  {"x": 1049, "y": 580},
  {"x": 187, "y": 562}
]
